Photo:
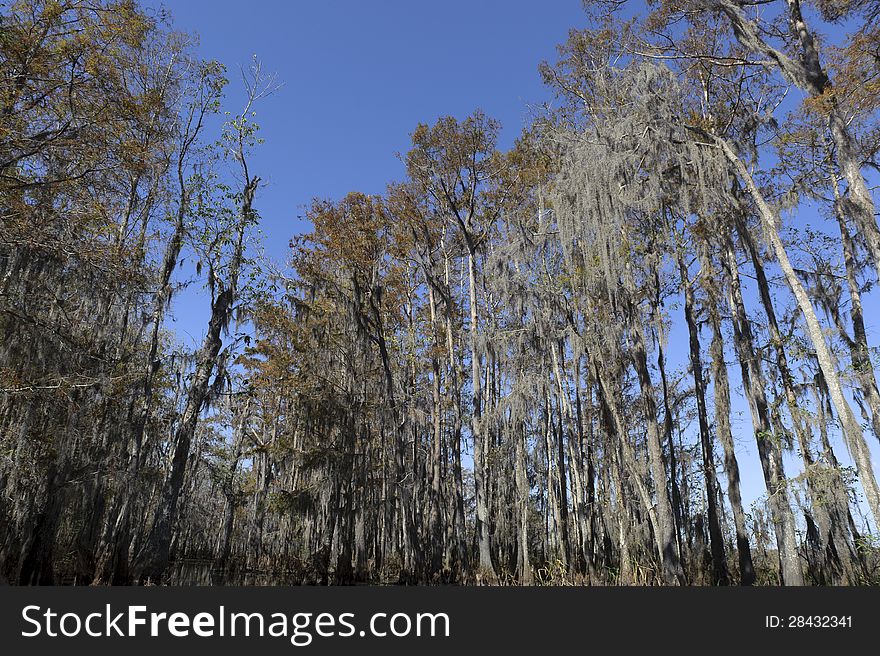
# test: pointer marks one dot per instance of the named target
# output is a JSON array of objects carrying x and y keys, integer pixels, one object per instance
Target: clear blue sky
[{"x": 358, "y": 77}]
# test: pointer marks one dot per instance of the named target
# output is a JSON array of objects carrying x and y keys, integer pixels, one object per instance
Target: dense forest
[{"x": 513, "y": 367}]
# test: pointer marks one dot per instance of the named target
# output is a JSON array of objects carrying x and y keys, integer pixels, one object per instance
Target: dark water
[{"x": 201, "y": 572}]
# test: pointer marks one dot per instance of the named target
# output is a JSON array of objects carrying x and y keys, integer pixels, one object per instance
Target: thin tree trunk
[
  {"x": 486, "y": 569},
  {"x": 860, "y": 353},
  {"x": 458, "y": 526},
  {"x": 716, "y": 538},
  {"x": 436, "y": 521},
  {"x": 722, "y": 420},
  {"x": 524, "y": 567}
]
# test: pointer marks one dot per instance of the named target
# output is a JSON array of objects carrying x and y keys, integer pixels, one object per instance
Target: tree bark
[
  {"x": 768, "y": 447},
  {"x": 716, "y": 538},
  {"x": 722, "y": 419}
]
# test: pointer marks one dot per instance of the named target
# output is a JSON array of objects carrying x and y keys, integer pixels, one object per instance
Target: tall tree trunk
[
  {"x": 524, "y": 567},
  {"x": 672, "y": 571},
  {"x": 716, "y": 538},
  {"x": 457, "y": 511},
  {"x": 722, "y": 419},
  {"x": 566, "y": 418},
  {"x": 436, "y": 521},
  {"x": 768, "y": 446},
  {"x": 486, "y": 569},
  {"x": 668, "y": 422},
  {"x": 157, "y": 549}
]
